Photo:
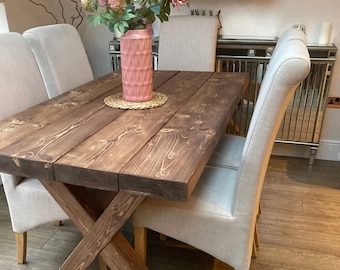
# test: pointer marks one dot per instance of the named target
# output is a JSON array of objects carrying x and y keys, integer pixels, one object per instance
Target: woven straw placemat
[{"x": 116, "y": 101}]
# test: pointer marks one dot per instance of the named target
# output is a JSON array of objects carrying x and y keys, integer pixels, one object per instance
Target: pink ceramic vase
[{"x": 136, "y": 65}]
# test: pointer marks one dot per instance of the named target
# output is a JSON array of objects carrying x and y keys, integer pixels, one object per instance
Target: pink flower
[
  {"x": 113, "y": 3},
  {"x": 116, "y": 15},
  {"x": 177, "y": 3},
  {"x": 117, "y": 5},
  {"x": 86, "y": 3}
]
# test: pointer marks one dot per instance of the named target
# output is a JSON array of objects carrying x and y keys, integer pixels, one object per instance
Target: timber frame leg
[
  {"x": 21, "y": 245},
  {"x": 102, "y": 264},
  {"x": 219, "y": 265},
  {"x": 112, "y": 246},
  {"x": 57, "y": 223},
  {"x": 140, "y": 241}
]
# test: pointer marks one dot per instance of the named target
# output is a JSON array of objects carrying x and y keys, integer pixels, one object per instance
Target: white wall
[
  {"x": 238, "y": 17},
  {"x": 3, "y": 19},
  {"x": 22, "y": 15}
]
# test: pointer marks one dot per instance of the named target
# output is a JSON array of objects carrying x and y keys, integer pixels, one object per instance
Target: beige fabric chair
[
  {"x": 228, "y": 152},
  {"x": 220, "y": 216},
  {"x": 62, "y": 60},
  {"x": 61, "y": 57},
  {"x": 188, "y": 43},
  {"x": 21, "y": 86}
]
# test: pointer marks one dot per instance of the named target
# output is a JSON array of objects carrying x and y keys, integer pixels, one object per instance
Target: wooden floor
[{"x": 299, "y": 227}]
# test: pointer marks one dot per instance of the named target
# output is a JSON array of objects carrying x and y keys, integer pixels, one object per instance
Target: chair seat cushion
[
  {"x": 228, "y": 152},
  {"x": 31, "y": 183},
  {"x": 209, "y": 209},
  {"x": 30, "y": 204},
  {"x": 213, "y": 196}
]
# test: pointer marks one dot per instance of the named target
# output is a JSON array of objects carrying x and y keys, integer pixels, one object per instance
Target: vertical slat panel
[{"x": 303, "y": 118}]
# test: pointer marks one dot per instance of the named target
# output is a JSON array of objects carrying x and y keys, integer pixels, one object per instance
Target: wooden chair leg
[
  {"x": 254, "y": 252},
  {"x": 21, "y": 245},
  {"x": 102, "y": 264},
  {"x": 57, "y": 223},
  {"x": 260, "y": 210},
  {"x": 140, "y": 238},
  {"x": 218, "y": 265},
  {"x": 162, "y": 237},
  {"x": 256, "y": 237},
  {"x": 256, "y": 242}
]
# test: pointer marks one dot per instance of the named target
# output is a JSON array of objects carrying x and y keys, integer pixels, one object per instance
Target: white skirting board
[{"x": 327, "y": 150}]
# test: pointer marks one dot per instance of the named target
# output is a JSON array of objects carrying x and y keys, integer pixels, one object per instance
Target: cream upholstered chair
[
  {"x": 228, "y": 152},
  {"x": 61, "y": 57},
  {"x": 188, "y": 43},
  {"x": 21, "y": 86},
  {"x": 220, "y": 216},
  {"x": 62, "y": 60}
]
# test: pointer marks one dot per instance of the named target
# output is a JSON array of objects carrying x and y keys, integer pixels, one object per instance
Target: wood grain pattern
[
  {"x": 82, "y": 207},
  {"x": 95, "y": 144},
  {"x": 190, "y": 136},
  {"x": 29, "y": 121},
  {"x": 46, "y": 138},
  {"x": 100, "y": 234},
  {"x": 78, "y": 141},
  {"x": 125, "y": 136},
  {"x": 34, "y": 155}
]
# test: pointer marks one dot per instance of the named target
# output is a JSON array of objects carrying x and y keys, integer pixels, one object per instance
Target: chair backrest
[
  {"x": 188, "y": 43},
  {"x": 289, "y": 34},
  {"x": 288, "y": 67},
  {"x": 61, "y": 56},
  {"x": 21, "y": 84}
]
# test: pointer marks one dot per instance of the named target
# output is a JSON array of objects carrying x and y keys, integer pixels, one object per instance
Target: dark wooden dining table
[{"x": 75, "y": 144}]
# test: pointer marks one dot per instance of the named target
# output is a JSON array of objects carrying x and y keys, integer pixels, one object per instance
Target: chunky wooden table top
[{"x": 76, "y": 139}]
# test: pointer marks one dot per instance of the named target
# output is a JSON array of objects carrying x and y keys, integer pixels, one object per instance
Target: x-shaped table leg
[{"x": 100, "y": 229}]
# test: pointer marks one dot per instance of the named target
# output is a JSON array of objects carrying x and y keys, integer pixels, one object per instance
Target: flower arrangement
[{"x": 123, "y": 15}]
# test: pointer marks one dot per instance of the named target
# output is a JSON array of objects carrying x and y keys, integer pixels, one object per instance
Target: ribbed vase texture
[{"x": 136, "y": 65}]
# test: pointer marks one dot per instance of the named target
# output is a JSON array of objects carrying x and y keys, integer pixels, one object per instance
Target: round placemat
[{"x": 116, "y": 101}]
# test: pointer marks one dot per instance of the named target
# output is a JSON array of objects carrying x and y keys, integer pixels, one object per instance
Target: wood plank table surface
[{"x": 74, "y": 143}]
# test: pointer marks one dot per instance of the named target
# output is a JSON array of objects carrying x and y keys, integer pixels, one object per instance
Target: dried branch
[
  {"x": 46, "y": 10},
  {"x": 77, "y": 17},
  {"x": 79, "y": 12},
  {"x": 62, "y": 10}
]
